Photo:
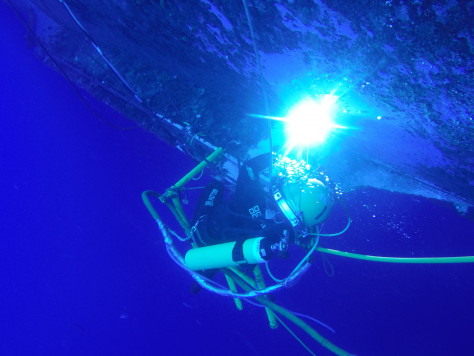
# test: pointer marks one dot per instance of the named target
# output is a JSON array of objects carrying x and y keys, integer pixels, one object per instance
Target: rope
[
  {"x": 97, "y": 48},
  {"x": 335, "y": 234},
  {"x": 63, "y": 72},
  {"x": 294, "y": 335},
  {"x": 260, "y": 72}
]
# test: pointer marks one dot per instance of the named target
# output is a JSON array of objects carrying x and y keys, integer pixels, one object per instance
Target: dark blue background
[{"x": 83, "y": 270}]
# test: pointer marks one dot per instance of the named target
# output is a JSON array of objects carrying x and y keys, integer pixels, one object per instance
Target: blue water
[{"x": 83, "y": 270}]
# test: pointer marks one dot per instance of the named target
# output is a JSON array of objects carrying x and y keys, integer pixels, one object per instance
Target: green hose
[
  {"x": 458, "y": 259},
  {"x": 290, "y": 316},
  {"x": 146, "y": 201}
]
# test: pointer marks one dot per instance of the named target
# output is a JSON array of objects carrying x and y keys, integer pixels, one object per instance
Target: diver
[{"x": 268, "y": 211}]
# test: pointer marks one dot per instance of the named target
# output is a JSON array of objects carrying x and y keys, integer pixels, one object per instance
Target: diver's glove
[{"x": 280, "y": 247}]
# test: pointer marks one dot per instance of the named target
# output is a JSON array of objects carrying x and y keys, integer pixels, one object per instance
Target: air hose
[{"x": 414, "y": 260}]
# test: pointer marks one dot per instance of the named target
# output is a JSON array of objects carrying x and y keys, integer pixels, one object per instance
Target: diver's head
[
  {"x": 305, "y": 196},
  {"x": 309, "y": 200},
  {"x": 305, "y": 202}
]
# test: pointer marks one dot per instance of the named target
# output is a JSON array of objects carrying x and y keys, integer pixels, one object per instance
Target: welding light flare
[{"x": 309, "y": 122}]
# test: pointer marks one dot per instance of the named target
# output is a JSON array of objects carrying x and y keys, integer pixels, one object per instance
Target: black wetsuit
[{"x": 243, "y": 215}]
